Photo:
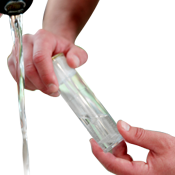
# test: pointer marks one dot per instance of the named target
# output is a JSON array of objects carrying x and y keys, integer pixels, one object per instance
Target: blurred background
[{"x": 125, "y": 38}]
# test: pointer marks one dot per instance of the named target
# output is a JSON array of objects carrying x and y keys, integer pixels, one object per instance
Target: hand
[
  {"x": 160, "y": 160},
  {"x": 38, "y": 50}
]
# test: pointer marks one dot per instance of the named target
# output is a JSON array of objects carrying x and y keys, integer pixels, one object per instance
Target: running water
[{"x": 16, "y": 30}]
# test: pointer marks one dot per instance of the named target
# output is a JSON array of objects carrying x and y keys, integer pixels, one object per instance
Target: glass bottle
[{"x": 85, "y": 105}]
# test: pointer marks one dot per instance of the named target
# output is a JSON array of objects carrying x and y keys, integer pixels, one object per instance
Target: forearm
[{"x": 67, "y": 17}]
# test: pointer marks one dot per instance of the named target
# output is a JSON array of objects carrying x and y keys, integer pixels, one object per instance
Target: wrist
[
  {"x": 68, "y": 34},
  {"x": 65, "y": 27}
]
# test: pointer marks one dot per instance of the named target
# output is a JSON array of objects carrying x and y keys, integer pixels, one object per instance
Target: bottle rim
[{"x": 57, "y": 55}]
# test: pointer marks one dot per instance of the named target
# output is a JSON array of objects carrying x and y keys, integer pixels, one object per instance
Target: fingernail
[
  {"x": 76, "y": 60},
  {"x": 125, "y": 126},
  {"x": 53, "y": 88},
  {"x": 80, "y": 47}
]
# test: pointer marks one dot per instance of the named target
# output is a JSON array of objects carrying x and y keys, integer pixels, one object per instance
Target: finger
[
  {"x": 76, "y": 56},
  {"x": 44, "y": 45},
  {"x": 55, "y": 94},
  {"x": 29, "y": 85},
  {"x": 120, "y": 151},
  {"x": 30, "y": 70},
  {"x": 130, "y": 146},
  {"x": 154, "y": 141},
  {"x": 115, "y": 165},
  {"x": 128, "y": 122}
]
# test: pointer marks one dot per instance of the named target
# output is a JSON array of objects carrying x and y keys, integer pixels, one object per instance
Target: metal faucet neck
[{"x": 13, "y": 6}]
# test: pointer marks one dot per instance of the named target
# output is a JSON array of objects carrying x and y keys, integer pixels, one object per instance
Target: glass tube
[{"x": 85, "y": 105}]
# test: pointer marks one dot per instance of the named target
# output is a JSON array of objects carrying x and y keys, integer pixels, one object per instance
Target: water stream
[{"x": 16, "y": 31}]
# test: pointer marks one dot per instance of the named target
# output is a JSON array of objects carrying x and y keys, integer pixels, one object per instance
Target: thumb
[
  {"x": 76, "y": 56},
  {"x": 152, "y": 140}
]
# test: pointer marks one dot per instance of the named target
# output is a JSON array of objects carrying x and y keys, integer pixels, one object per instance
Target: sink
[{"x": 59, "y": 144}]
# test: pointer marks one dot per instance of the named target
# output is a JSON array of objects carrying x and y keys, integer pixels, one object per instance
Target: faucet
[{"x": 14, "y": 7}]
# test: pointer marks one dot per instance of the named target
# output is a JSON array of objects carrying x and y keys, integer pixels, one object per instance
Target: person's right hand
[
  {"x": 38, "y": 50},
  {"x": 160, "y": 160}
]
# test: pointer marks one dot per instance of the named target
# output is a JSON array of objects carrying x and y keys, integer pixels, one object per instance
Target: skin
[
  {"x": 38, "y": 50},
  {"x": 67, "y": 17},
  {"x": 62, "y": 22},
  {"x": 160, "y": 159}
]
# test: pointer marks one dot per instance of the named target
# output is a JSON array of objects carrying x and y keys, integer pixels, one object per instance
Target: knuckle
[
  {"x": 140, "y": 133},
  {"x": 38, "y": 57},
  {"x": 42, "y": 35},
  {"x": 40, "y": 32}
]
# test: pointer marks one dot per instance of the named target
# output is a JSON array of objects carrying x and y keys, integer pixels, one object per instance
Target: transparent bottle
[{"x": 85, "y": 105}]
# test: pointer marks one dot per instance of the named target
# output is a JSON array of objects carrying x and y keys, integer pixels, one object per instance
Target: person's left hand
[
  {"x": 160, "y": 160},
  {"x": 38, "y": 50}
]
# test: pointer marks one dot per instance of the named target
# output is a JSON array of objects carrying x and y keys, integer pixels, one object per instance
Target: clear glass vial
[{"x": 85, "y": 105}]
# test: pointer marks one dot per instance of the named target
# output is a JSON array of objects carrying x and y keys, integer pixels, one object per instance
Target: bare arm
[
  {"x": 63, "y": 21},
  {"x": 67, "y": 17}
]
